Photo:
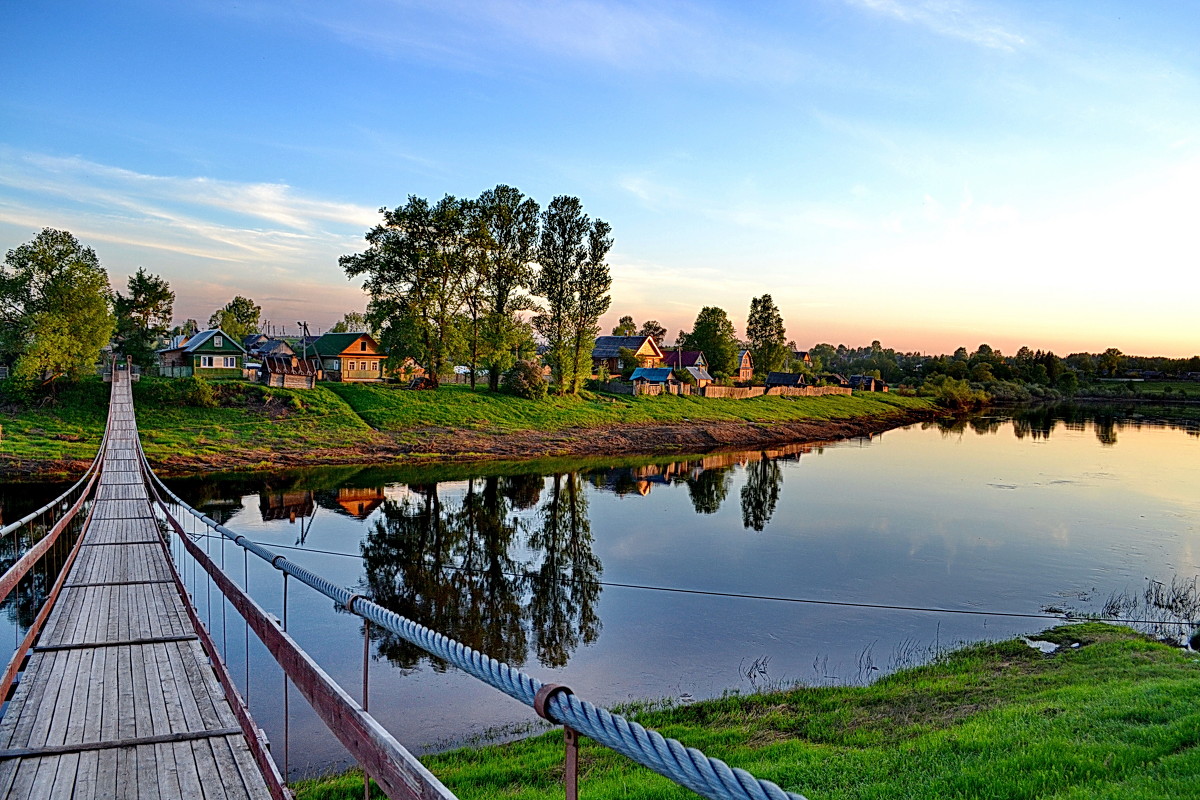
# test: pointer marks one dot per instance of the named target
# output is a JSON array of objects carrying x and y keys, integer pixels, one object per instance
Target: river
[{"x": 684, "y": 578}]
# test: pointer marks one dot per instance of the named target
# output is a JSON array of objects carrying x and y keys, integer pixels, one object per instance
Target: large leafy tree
[
  {"x": 352, "y": 322},
  {"x": 652, "y": 329},
  {"x": 766, "y": 335},
  {"x": 505, "y": 267},
  {"x": 416, "y": 265},
  {"x": 238, "y": 318},
  {"x": 714, "y": 334},
  {"x": 625, "y": 327},
  {"x": 55, "y": 305},
  {"x": 574, "y": 281},
  {"x": 143, "y": 315}
]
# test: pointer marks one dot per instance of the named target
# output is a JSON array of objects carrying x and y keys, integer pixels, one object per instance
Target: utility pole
[{"x": 304, "y": 329}]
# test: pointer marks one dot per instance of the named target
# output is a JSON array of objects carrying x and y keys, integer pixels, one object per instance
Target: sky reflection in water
[{"x": 974, "y": 518}]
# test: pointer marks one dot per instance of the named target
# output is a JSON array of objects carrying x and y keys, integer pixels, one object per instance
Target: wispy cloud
[
  {"x": 208, "y": 237},
  {"x": 491, "y": 35},
  {"x": 951, "y": 18}
]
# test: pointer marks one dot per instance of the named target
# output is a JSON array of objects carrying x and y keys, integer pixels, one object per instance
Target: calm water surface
[{"x": 563, "y": 574}]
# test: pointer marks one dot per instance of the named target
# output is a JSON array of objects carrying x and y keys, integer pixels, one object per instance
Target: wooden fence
[{"x": 744, "y": 392}]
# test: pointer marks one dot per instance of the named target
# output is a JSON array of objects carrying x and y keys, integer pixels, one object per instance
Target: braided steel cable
[{"x": 687, "y": 766}]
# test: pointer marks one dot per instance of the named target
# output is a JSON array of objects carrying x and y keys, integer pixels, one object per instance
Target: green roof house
[
  {"x": 349, "y": 357},
  {"x": 209, "y": 354}
]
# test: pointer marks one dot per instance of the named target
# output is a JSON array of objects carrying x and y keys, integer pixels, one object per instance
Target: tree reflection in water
[
  {"x": 709, "y": 489},
  {"x": 564, "y": 587},
  {"x": 760, "y": 493},
  {"x": 466, "y": 570}
]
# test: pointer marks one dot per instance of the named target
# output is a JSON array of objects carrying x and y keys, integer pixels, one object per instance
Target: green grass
[
  {"x": 259, "y": 423},
  {"x": 258, "y": 427},
  {"x": 390, "y": 408},
  {"x": 1113, "y": 718},
  {"x": 66, "y": 425}
]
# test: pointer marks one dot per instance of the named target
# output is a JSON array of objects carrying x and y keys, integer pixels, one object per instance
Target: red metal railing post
[
  {"x": 366, "y": 695},
  {"x": 570, "y": 737}
]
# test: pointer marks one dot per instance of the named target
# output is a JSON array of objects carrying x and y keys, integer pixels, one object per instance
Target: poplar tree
[
  {"x": 506, "y": 275},
  {"x": 655, "y": 331},
  {"x": 574, "y": 281},
  {"x": 766, "y": 335},
  {"x": 238, "y": 318},
  {"x": 592, "y": 287}
]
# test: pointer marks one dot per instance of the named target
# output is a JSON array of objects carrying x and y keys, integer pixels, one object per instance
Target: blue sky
[{"x": 930, "y": 173}]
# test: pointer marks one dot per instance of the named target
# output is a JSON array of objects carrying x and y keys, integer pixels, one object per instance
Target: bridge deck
[{"x": 118, "y": 699}]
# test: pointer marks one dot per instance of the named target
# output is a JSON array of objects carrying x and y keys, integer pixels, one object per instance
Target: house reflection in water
[
  {"x": 640, "y": 480},
  {"x": 359, "y": 503},
  {"x": 286, "y": 505}
]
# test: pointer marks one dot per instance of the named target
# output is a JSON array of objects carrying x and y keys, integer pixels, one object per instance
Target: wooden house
[
  {"x": 290, "y": 372},
  {"x": 792, "y": 379},
  {"x": 208, "y": 354},
  {"x": 349, "y": 357},
  {"x": 607, "y": 351},
  {"x": 700, "y": 376},
  {"x": 745, "y": 367},
  {"x": 654, "y": 380},
  {"x": 834, "y": 379},
  {"x": 867, "y": 383},
  {"x": 679, "y": 359}
]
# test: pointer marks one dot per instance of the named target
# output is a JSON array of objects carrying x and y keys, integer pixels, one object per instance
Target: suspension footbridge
[{"x": 119, "y": 690}]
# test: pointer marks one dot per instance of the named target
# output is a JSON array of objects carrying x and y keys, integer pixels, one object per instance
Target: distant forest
[{"x": 987, "y": 365}]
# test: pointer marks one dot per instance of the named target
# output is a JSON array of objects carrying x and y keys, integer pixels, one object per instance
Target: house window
[
  {"x": 374, "y": 366},
  {"x": 363, "y": 345},
  {"x": 216, "y": 341},
  {"x": 362, "y": 365},
  {"x": 206, "y": 361},
  {"x": 231, "y": 361}
]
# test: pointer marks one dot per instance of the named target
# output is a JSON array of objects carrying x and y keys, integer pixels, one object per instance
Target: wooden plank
[
  {"x": 168, "y": 771},
  {"x": 117, "y": 670},
  {"x": 65, "y": 777},
  {"x": 85, "y": 777},
  {"x": 187, "y": 771}
]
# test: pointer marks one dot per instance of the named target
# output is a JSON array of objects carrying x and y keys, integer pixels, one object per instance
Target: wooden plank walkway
[{"x": 118, "y": 699}]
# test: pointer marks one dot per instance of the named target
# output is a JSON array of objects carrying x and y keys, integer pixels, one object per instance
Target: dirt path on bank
[{"x": 444, "y": 445}]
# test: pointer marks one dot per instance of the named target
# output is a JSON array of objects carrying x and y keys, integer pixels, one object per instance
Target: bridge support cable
[
  {"x": 384, "y": 759},
  {"x": 709, "y": 777}
]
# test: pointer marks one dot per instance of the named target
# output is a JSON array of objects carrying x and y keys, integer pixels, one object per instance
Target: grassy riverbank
[
  {"x": 1113, "y": 717},
  {"x": 235, "y": 425}
]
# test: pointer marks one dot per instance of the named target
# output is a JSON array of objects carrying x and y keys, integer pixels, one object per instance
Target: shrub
[
  {"x": 953, "y": 394},
  {"x": 195, "y": 391},
  {"x": 525, "y": 380}
]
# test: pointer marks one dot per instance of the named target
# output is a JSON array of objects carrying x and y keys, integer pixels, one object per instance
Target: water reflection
[
  {"x": 509, "y": 564},
  {"x": 1106, "y": 420},
  {"x": 470, "y": 569}
]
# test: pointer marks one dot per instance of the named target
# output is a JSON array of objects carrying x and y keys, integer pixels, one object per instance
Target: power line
[{"x": 774, "y": 598}]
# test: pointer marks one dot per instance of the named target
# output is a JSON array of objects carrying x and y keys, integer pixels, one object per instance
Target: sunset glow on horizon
[{"x": 926, "y": 174}]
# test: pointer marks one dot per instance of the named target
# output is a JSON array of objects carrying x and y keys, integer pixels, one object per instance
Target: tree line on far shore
[{"x": 473, "y": 282}]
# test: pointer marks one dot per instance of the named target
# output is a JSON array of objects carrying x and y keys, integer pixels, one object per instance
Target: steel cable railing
[
  {"x": 24, "y": 561},
  {"x": 708, "y": 777}
]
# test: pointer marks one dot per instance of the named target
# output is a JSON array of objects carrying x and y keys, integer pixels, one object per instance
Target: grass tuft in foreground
[{"x": 1110, "y": 715}]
